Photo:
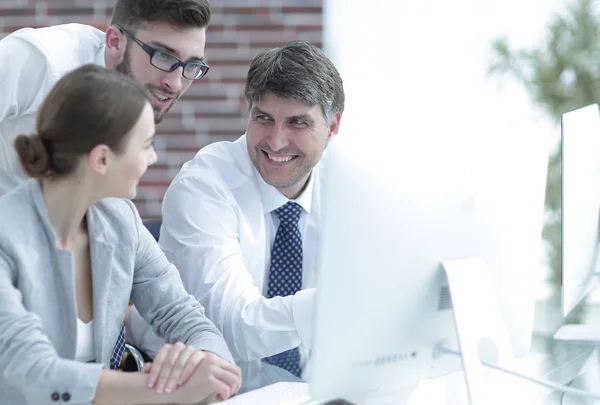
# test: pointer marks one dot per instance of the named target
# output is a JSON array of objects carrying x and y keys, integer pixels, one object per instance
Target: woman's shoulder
[
  {"x": 17, "y": 209},
  {"x": 21, "y": 225},
  {"x": 119, "y": 208},
  {"x": 117, "y": 217}
]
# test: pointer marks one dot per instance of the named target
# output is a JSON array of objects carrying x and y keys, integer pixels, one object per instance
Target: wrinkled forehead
[{"x": 285, "y": 107}]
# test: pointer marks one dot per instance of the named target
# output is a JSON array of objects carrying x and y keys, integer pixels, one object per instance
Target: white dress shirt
[
  {"x": 218, "y": 228},
  {"x": 33, "y": 60}
]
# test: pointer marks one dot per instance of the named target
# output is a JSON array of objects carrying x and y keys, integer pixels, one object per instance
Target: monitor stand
[
  {"x": 480, "y": 329},
  {"x": 581, "y": 333}
]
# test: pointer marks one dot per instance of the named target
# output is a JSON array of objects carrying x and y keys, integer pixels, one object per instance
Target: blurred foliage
[{"x": 561, "y": 74}]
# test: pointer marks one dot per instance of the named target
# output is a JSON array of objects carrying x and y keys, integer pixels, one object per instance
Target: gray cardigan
[{"x": 38, "y": 312}]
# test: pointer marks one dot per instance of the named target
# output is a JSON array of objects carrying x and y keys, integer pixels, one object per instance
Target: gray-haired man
[{"x": 242, "y": 220}]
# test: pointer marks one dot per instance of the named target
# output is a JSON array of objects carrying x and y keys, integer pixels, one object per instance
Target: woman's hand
[
  {"x": 175, "y": 364},
  {"x": 214, "y": 378}
]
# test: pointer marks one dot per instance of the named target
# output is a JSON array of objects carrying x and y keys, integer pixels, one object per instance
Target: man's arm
[
  {"x": 161, "y": 300},
  {"x": 24, "y": 82},
  {"x": 200, "y": 234},
  {"x": 23, "y": 76}
]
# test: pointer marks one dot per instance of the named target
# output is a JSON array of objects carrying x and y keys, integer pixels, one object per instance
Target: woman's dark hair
[{"x": 87, "y": 107}]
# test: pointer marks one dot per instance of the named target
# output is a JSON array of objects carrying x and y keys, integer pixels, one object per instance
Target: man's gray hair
[{"x": 298, "y": 71}]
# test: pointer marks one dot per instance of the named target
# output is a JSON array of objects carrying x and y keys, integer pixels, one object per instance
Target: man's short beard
[
  {"x": 125, "y": 65},
  {"x": 125, "y": 68}
]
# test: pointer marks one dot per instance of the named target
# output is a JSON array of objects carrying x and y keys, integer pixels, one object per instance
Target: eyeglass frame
[{"x": 151, "y": 51}]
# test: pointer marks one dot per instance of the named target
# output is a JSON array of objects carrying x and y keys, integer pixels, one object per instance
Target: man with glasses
[{"x": 160, "y": 43}]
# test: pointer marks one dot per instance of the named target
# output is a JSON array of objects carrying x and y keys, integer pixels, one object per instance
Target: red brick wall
[{"x": 213, "y": 109}]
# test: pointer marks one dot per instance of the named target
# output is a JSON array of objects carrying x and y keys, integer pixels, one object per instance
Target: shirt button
[
  {"x": 66, "y": 396},
  {"x": 55, "y": 396}
]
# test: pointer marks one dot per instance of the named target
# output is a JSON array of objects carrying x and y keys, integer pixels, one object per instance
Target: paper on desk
[{"x": 282, "y": 393}]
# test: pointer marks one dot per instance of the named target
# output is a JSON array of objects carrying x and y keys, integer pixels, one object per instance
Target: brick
[
  {"x": 234, "y": 71},
  {"x": 302, "y": 10},
  {"x": 16, "y": 12},
  {"x": 318, "y": 28},
  {"x": 258, "y": 38},
  {"x": 15, "y": 3},
  {"x": 227, "y": 107},
  {"x": 180, "y": 142},
  {"x": 11, "y": 28},
  {"x": 220, "y": 46},
  {"x": 261, "y": 3},
  {"x": 71, "y": 11},
  {"x": 253, "y": 20},
  {"x": 303, "y": 20},
  {"x": 264, "y": 28}
]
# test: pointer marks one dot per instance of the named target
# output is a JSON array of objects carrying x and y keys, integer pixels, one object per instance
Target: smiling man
[
  {"x": 242, "y": 220},
  {"x": 160, "y": 43}
]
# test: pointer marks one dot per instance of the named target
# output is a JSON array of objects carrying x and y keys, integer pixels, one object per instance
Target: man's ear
[
  {"x": 334, "y": 125},
  {"x": 116, "y": 44},
  {"x": 99, "y": 159}
]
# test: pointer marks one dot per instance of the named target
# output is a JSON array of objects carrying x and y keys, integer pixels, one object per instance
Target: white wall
[
  {"x": 406, "y": 62},
  {"x": 415, "y": 81}
]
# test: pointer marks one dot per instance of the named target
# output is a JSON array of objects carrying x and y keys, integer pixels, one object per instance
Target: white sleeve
[
  {"x": 25, "y": 80},
  {"x": 200, "y": 234},
  {"x": 24, "y": 77}
]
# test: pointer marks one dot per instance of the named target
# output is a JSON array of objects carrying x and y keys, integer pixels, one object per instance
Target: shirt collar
[{"x": 273, "y": 199}]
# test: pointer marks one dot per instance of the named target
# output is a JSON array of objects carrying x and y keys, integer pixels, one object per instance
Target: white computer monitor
[
  {"x": 383, "y": 298},
  {"x": 580, "y": 204}
]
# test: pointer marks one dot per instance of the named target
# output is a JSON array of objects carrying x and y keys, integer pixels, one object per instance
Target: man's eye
[
  {"x": 262, "y": 118},
  {"x": 298, "y": 123},
  {"x": 163, "y": 55}
]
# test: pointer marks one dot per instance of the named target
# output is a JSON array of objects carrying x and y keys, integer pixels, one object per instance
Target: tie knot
[{"x": 289, "y": 214}]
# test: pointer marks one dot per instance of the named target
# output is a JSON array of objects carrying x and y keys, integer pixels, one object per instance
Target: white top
[
  {"x": 33, "y": 60},
  {"x": 85, "y": 341},
  {"x": 218, "y": 229}
]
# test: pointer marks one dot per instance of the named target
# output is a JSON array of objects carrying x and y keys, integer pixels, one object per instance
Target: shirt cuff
[{"x": 303, "y": 313}]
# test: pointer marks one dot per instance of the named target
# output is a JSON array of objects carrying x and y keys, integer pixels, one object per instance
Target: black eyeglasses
[{"x": 167, "y": 63}]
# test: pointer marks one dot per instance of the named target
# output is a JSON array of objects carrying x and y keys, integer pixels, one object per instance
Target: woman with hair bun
[{"x": 74, "y": 252}]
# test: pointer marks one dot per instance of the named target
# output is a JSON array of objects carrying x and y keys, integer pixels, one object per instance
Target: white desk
[{"x": 551, "y": 360}]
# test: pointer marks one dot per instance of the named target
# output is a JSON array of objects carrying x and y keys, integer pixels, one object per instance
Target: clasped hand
[{"x": 192, "y": 374}]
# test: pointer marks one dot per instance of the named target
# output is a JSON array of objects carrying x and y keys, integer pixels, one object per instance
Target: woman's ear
[{"x": 99, "y": 158}]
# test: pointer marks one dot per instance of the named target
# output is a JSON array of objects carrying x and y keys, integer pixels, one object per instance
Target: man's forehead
[
  {"x": 186, "y": 43},
  {"x": 285, "y": 107}
]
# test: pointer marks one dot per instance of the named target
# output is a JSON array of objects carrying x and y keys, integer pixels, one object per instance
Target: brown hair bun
[{"x": 33, "y": 155}]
